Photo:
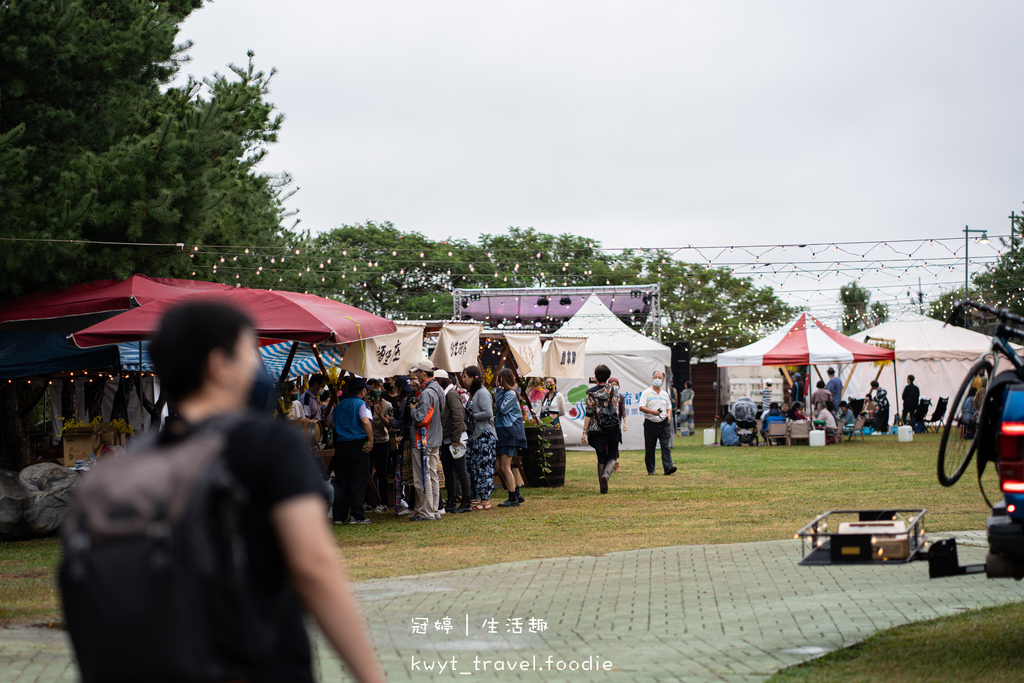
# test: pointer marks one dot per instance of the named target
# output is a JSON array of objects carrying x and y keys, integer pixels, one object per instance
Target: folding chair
[
  {"x": 921, "y": 415},
  {"x": 777, "y": 430},
  {"x": 938, "y": 415},
  {"x": 801, "y": 429},
  {"x": 858, "y": 428}
]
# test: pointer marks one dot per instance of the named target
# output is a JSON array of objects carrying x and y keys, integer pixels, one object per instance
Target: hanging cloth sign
[
  {"x": 387, "y": 355},
  {"x": 458, "y": 346},
  {"x": 526, "y": 350},
  {"x": 565, "y": 357}
]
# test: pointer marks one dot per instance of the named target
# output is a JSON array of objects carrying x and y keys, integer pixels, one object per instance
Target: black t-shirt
[{"x": 272, "y": 463}]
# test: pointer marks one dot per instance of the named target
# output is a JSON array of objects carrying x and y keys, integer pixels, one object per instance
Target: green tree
[
  {"x": 1002, "y": 283},
  {"x": 941, "y": 306},
  {"x": 879, "y": 314},
  {"x": 855, "y": 307},
  {"x": 710, "y": 307},
  {"x": 100, "y": 157}
]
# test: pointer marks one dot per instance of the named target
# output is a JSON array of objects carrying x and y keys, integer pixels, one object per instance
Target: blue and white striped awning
[
  {"x": 304, "y": 363},
  {"x": 130, "y": 356},
  {"x": 274, "y": 358}
]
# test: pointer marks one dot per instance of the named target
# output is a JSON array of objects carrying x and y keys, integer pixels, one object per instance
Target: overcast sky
[{"x": 645, "y": 124}]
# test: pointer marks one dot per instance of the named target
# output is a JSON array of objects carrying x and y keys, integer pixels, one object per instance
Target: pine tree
[{"x": 96, "y": 145}]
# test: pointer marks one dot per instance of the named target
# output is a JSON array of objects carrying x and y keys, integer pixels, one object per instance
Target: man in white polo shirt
[{"x": 656, "y": 405}]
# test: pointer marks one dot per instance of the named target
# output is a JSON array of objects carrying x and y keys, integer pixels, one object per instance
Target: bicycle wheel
[{"x": 959, "y": 437}]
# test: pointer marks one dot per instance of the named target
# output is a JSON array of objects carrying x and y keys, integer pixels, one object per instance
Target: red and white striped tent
[{"x": 805, "y": 341}]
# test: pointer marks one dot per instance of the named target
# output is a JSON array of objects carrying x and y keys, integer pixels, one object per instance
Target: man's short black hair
[
  {"x": 317, "y": 378},
  {"x": 773, "y": 406},
  {"x": 602, "y": 373},
  {"x": 185, "y": 339},
  {"x": 821, "y": 385}
]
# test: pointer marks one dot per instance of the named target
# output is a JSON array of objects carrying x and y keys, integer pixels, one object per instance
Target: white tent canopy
[
  {"x": 607, "y": 334},
  {"x": 938, "y": 356},
  {"x": 632, "y": 357}
]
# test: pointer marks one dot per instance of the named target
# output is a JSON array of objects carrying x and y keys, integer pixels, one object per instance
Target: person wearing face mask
[
  {"x": 553, "y": 404},
  {"x": 656, "y": 405},
  {"x": 381, "y": 453}
]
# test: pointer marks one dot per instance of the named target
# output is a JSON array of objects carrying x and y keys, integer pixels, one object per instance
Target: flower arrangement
[
  {"x": 75, "y": 423},
  {"x": 121, "y": 426}
]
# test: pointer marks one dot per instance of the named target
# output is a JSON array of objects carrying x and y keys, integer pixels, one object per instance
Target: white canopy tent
[
  {"x": 938, "y": 356},
  {"x": 632, "y": 357}
]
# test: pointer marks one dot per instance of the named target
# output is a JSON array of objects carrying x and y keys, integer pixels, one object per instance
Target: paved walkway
[{"x": 690, "y": 613}]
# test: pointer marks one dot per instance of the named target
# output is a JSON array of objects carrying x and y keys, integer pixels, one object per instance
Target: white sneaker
[
  {"x": 405, "y": 511},
  {"x": 381, "y": 509}
]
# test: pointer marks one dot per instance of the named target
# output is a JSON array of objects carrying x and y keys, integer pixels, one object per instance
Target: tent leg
[
  {"x": 288, "y": 363},
  {"x": 319, "y": 359},
  {"x": 848, "y": 378},
  {"x": 896, "y": 398}
]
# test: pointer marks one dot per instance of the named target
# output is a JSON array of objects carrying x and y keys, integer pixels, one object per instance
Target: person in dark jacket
[
  {"x": 911, "y": 399},
  {"x": 453, "y": 449}
]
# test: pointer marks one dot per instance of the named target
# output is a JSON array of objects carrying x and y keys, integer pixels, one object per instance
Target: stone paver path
[{"x": 690, "y": 613}]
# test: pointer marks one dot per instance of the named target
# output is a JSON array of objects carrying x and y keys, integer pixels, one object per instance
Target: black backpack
[
  {"x": 607, "y": 408},
  {"x": 153, "y": 579}
]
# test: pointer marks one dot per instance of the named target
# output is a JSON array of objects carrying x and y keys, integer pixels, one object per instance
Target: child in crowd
[
  {"x": 797, "y": 413},
  {"x": 729, "y": 436}
]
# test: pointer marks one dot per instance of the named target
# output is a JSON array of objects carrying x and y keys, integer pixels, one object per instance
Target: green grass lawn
[
  {"x": 985, "y": 645},
  {"x": 719, "y": 495}
]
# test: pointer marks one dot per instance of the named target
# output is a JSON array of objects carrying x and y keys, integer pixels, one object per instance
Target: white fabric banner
[
  {"x": 526, "y": 349},
  {"x": 565, "y": 357},
  {"x": 387, "y": 355},
  {"x": 458, "y": 346}
]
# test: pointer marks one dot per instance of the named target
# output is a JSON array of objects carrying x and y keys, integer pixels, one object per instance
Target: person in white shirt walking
[{"x": 656, "y": 405}]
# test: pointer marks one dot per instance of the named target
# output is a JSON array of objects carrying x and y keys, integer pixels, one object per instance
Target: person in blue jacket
[{"x": 729, "y": 435}]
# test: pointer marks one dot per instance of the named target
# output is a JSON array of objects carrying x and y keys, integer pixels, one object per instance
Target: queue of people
[{"x": 431, "y": 432}]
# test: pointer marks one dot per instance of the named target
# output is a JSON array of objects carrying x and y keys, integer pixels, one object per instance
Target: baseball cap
[
  {"x": 440, "y": 374},
  {"x": 424, "y": 365}
]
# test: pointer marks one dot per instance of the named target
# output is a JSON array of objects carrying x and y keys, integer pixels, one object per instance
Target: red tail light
[{"x": 1011, "y": 456}]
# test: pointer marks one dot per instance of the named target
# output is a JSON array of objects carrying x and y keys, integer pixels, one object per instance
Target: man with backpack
[
  {"x": 601, "y": 424},
  {"x": 190, "y": 558}
]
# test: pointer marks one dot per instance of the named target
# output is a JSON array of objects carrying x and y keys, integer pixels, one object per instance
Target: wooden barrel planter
[{"x": 533, "y": 458}]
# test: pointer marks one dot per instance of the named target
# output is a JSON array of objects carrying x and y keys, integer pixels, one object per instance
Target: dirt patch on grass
[{"x": 28, "y": 574}]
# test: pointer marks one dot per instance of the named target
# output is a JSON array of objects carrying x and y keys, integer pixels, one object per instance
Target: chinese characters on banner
[
  {"x": 458, "y": 346},
  {"x": 526, "y": 350},
  {"x": 565, "y": 356},
  {"x": 391, "y": 354}
]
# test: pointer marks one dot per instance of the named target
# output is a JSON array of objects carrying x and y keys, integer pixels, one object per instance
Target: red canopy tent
[
  {"x": 806, "y": 341},
  {"x": 86, "y": 303},
  {"x": 276, "y": 315}
]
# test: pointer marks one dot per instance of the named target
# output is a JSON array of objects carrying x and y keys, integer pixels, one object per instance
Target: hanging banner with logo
[
  {"x": 526, "y": 349},
  {"x": 458, "y": 346},
  {"x": 565, "y": 357},
  {"x": 390, "y": 354}
]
